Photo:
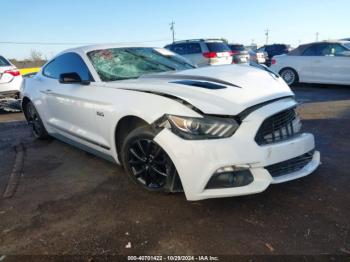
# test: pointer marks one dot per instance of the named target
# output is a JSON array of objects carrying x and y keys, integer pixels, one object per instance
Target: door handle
[{"x": 48, "y": 90}]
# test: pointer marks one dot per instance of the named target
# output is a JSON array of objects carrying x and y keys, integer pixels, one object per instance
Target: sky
[{"x": 146, "y": 22}]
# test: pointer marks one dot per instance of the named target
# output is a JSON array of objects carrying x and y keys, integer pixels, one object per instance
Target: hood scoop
[{"x": 192, "y": 78}]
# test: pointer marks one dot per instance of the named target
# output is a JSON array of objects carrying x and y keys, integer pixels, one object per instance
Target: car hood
[{"x": 235, "y": 87}]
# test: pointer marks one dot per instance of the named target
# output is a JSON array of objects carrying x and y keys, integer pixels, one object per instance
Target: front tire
[
  {"x": 146, "y": 162},
  {"x": 35, "y": 122},
  {"x": 290, "y": 76}
]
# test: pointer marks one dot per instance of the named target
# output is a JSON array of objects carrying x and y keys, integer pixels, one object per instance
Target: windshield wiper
[{"x": 148, "y": 60}]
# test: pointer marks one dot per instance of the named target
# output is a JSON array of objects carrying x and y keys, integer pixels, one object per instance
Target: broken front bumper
[{"x": 197, "y": 161}]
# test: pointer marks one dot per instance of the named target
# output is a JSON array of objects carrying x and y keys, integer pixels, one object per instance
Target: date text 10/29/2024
[{"x": 173, "y": 258}]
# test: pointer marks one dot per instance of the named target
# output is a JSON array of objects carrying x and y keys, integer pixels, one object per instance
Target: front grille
[
  {"x": 291, "y": 165},
  {"x": 281, "y": 126}
]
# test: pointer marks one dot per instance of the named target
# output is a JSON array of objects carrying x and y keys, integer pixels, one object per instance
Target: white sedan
[
  {"x": 210, "y": 132},
  {"x": 10, "y": 79},
  {"x": 325, "y": 62}
]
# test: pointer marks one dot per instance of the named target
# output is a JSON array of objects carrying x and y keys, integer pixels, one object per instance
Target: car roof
[
  {"x": 88, "y": 48},
  {"x": 301, "y": 48},
  {"x": 200, "y": 40}
]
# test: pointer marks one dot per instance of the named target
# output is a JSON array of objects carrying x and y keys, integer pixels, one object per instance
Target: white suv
[
  {"x": 10, "y": 79},
  {"x": 203, "y": 52}
]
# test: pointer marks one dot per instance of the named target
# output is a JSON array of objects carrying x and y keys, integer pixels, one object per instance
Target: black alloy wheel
[{"x": 146, "y": 162}]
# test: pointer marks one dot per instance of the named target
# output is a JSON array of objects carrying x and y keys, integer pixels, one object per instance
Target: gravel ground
[{"x": 70, "y": 202}]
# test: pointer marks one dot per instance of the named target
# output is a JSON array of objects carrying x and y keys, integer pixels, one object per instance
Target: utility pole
[
  {"x": 317, "y": 35},
  {"x": 267, "y": 35},
  {"x": 172, "y": 28}
]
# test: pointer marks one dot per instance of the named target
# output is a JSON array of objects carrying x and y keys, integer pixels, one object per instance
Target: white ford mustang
[{"x": 210, "y": 132}]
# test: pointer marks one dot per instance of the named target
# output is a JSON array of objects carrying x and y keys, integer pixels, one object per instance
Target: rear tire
[
  {"x": 290, "y": 76},
  {"x": 35, "y": 122},
  {"x": 146, "y": 162}
]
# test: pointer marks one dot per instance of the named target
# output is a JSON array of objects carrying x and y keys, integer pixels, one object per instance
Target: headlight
[{"x": 201, "y": 128}]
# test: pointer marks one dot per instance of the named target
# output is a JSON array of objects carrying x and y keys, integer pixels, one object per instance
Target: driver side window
[
  {"x": 67, "y": 63},
  {"x": 338, "y": 50}
]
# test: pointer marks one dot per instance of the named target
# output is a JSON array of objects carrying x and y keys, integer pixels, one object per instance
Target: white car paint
[
  {"x": 10, "y": 78},
  {"x": 326, "y": 69},
  {"x": 73, "y": 111}
]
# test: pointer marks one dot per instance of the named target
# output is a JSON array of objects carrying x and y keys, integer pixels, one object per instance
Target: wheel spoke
[
  {"x": 133, "y": 152},
  {"x": 157, "y": 153},
  {"x": 158, "y": 171},
  {"x": 138, "y": 173},
  {"x": 136, "y": 162},
  {"x": 141, "y": 148},
  {"x": 149, "y": 146}
]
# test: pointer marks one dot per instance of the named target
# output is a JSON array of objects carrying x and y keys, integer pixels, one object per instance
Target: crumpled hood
[{"x": 249, "y": 86}]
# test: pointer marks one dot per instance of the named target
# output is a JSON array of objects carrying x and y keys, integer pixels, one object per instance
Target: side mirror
[{"x": 72, "y": 78}]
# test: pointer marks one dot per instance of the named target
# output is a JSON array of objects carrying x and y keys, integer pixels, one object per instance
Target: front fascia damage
[{"x": 159, "y": 124}]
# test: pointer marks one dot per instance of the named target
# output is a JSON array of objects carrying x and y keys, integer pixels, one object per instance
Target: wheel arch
[
  {"x": 123, "y": 127},
  {"x": 127, "y": 124}
]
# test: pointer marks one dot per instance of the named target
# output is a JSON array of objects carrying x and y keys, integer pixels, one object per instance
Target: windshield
[
  {"x": 127, "y": 63},
  {"x": 217, "y": 47},
  {"x": 237, "y": 47}
]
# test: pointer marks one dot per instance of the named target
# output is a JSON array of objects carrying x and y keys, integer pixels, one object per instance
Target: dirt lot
[{"x": 70, "y": 202}]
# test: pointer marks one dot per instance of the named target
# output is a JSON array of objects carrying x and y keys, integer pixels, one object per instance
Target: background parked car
[
  {"x": 274, "y": 49},
  {"x": 203, "y": 52},
  {"x": 239, "y": 53},
  {"x": 10, "y": 79},
  {"x": 257, "y": 57},
  {"x": 325, "y": 62}
]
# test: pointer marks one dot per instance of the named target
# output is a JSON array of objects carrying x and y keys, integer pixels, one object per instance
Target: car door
[
  {"x": 339, "y": 68},
  {"x": 317, "y": 63},
  {"x": 72, "y": 107}
]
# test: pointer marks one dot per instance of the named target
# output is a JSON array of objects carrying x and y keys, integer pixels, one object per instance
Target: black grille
[
  {"x": 281, "y": 126},
  {"x": 291, "y": 165}
]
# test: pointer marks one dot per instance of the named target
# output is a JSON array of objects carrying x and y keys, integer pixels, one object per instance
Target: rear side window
[
  {"x": 186, "y": 48},
  {"x": 67, "y": 63},
  {"x": 4, "y": 62},
  {"x": 218, "y": 47}
]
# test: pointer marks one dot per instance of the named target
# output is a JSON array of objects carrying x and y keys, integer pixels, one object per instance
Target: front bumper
[{"x": 196, "y": 161}]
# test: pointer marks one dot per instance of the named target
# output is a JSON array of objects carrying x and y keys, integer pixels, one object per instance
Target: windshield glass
[
  {"x": 218, "y": 47},
  {"x": 237, "y": 47},
  {"x": 127, "y": 63},
  {"x": 347, "y": 45}
]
